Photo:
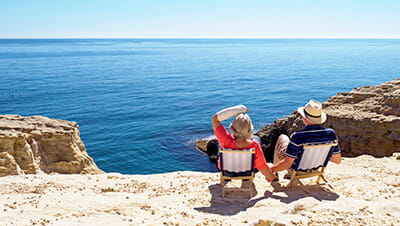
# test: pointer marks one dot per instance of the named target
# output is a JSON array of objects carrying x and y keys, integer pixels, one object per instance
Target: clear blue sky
[{"x": 201, "y": 18}]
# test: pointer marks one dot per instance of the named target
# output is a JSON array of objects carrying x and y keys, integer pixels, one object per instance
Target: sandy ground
[{"x": 366, "y": 192}]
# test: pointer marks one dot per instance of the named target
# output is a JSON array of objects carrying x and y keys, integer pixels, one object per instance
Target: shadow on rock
[
  {"x": 233, "y": 203},
  {"x": 293, "y": 194}
]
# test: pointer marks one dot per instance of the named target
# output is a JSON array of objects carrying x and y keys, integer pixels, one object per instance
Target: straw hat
[{"x": 313, "y": 112}]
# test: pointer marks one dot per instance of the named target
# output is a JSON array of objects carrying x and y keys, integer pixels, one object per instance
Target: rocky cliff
[
  {"x": 37, "y": 144},
  {"x": 366, "y": 120}
]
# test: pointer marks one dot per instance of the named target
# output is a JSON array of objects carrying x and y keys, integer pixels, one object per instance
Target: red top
[{"x": 227, "y": 140}]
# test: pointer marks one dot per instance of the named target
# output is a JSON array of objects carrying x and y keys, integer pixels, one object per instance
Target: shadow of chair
[
  {"x": 316, "y": 191},
  {"x": 237, "y": 203}
]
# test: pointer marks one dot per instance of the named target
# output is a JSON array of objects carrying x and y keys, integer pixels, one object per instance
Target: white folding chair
[
  {"x": 312, "y": 162},
  {"x": 237, "y": 165}
]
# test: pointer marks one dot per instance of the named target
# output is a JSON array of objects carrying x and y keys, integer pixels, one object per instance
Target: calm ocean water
[{"x": 142, "y": 103}]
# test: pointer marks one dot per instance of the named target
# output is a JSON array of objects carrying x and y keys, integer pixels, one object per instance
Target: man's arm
[
  {"x": 284, "y": 164},
  {"x": 336, "y": 158}
]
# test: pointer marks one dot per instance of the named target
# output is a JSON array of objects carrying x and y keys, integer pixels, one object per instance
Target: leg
[{"x": 280, "y": 148}]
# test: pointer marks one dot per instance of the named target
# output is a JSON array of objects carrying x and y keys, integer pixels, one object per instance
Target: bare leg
[{"x": 280, "y": 148}]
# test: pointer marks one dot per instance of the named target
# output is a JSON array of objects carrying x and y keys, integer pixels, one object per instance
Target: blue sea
[{"x": 142, "y": 103}]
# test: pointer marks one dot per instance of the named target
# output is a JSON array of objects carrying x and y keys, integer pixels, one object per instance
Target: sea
[{"x": 142, "y": 104}]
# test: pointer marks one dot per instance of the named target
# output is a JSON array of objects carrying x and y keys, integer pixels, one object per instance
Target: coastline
[{"x": 366, "y": 192}]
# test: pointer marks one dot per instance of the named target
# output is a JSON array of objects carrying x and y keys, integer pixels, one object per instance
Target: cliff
[
  {"x": 30, "y": 145},
  {"x": 366, "y": 120},
  {"x": 367, "y": 192}
]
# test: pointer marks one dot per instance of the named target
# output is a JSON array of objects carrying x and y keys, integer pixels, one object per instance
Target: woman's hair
[{"x": 242, "y": 127}]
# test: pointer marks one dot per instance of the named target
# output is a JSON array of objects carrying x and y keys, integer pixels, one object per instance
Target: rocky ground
[{"x": 366, "y": 192}]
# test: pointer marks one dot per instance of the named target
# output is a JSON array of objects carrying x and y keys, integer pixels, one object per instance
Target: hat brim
[{"x": 319, "y": 120}]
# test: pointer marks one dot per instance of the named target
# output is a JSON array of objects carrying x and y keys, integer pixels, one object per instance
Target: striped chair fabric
[
  {"x": 239, "y": 164},
  {"x": 312, "y": 162},
  {"x": 314, "y": 155},
  {"x": 237, "y": 160}
]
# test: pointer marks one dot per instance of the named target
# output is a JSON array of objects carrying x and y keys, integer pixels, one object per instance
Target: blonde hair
[{"x": 242, "y": 127}]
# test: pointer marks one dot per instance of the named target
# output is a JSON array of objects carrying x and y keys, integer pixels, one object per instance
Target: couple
[{"x": 286, "y": 150}]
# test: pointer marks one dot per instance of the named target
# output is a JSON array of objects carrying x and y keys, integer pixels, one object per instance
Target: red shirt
[{"x": 227, "y": 140}]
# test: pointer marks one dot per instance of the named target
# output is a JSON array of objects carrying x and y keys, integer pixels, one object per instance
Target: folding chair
[
  {"x": 237, "y": 165},
  {"x": 311, "y": 163}
]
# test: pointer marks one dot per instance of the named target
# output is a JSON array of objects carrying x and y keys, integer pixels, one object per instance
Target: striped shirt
[{"x": 311, "y": 134}]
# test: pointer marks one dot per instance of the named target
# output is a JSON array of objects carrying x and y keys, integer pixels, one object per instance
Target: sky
[{"x": 200, "y": 19}]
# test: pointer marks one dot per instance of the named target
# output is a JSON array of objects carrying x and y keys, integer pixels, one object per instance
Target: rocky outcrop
[
  {"x": 366, "y": 120},
  {"x": 270, "y": 133},
  {"x": 30, "y": 145}
]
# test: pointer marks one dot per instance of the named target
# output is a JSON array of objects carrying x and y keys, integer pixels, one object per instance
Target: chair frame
[
  {"x": 296, "y": 175},
  {"x": 223, "y": 178}
]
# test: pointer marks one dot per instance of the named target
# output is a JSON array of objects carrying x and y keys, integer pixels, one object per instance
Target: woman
[{"x": 242, "y": 131}]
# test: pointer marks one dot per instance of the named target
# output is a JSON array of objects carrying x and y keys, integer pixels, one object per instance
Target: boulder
[{"x": 31, "y": 145}]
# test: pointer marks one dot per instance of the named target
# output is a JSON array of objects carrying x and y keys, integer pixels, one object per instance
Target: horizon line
[{"x": 204, "y": 37}]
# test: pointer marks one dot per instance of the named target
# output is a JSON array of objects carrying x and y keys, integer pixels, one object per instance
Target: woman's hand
[{"x": 268, "y": 174}]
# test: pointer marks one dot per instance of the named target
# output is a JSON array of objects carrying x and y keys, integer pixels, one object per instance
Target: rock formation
[
  {"x": 37, "y": 144},
  {"x": 366, "y": 120}
]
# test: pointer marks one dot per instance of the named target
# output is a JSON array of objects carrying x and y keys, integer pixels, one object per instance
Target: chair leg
[
  {"x": 251, "y": 187},
  {"x": 318, "y": 179},
  {"x": 292, "y": 178},
  {"x": 323, "y": 178},
  {"x": 222, "y": 183},
  {"x": 326, "y": 182},
  {"x": 222, "y": 187},
  {"x": 290, "y": 183},
  {"x": 321, "y": 175}
]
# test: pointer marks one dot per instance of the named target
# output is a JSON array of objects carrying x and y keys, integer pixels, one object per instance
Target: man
[{"x": 286, "y": 150}]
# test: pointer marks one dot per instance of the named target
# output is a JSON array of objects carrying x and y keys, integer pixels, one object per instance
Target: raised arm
[
  {"x": 215, "y": 121},
  {"x": 227, "y": 113}
]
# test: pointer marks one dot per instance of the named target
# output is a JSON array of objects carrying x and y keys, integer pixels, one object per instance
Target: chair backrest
[
  {"x": 237, "y": 160},
  {"x": 314, "y": 155}
]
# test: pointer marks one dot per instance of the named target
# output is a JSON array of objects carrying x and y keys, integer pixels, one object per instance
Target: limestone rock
[
  {"x": 37, "y": 144},
  {"x": 202, "y": 145},
  {"x": 366, "y": 120}
]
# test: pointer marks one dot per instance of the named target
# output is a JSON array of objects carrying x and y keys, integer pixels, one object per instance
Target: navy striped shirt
[{"x": 311, "y": 134}]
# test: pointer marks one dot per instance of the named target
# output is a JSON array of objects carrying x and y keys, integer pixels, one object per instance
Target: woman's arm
[
  {"x": 215, "y": 122},
  {"x": 268, "y": 174},
  {"x": 227, "y": 113}
]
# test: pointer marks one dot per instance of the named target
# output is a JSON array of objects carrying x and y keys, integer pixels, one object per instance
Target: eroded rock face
[
  {"x": 37, "y": 144},
  {"x": 366, "y": 120}
]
